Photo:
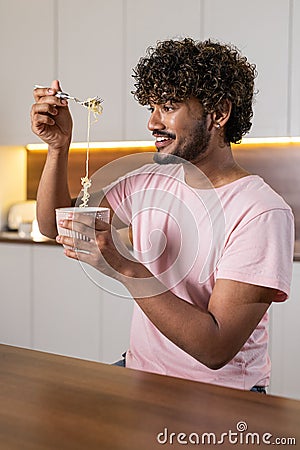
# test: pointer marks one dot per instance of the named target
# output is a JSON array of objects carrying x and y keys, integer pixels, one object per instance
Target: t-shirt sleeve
[
  {"x": 119, "y": 198},
  {"x": 260, "y": 252}
]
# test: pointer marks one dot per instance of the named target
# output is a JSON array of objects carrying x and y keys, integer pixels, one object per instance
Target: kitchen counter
[
  {"x": 13, "y": 237},
  {"x": 55, "y": 402}
]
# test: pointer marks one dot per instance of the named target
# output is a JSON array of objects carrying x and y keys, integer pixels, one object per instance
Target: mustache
[{"x": 163, "y": 134}]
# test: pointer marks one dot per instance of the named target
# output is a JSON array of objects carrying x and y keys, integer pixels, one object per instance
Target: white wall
[{"x": 27, "y": 57}]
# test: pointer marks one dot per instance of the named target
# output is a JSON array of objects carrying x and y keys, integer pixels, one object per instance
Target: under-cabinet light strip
[
  {"x": 97, "y": 145},
  {"x": 150, "y": 144}
]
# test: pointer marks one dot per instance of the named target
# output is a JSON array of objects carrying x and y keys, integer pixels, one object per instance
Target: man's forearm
[
  {"x": 212, "y": 336},
  {"x": 53, "y": 191},
  {"x": 193, "y": 330}
]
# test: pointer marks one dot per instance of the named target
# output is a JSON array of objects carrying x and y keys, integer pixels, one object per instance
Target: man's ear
[{"x": 222, "y": 113}]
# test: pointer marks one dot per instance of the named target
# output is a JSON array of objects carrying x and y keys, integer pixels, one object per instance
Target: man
[{"x": 202, "y": 317}]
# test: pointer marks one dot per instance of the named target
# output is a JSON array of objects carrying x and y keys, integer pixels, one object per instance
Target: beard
[{"x": 189, "y": 148}]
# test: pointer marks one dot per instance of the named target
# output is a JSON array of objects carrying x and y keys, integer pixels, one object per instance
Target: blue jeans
[
  {"x": 260, "y": 389},
  {"x": 121, "y": 362}
]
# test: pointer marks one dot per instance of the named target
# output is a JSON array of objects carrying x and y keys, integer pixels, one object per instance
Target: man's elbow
[
  {"x": 215, "y": 361},
  {"x": 46, "y": 230},
  {"x": 216, "y": 365}
]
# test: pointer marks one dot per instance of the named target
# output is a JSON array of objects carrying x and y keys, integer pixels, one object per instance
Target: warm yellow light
[
  {"x": 272, "y": 140},
  {"x": 98, "y": 145},
  {"x": 150, "y": 144}
]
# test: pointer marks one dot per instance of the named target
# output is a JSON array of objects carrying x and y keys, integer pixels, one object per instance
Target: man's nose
[{"x": 155, "y": 121}]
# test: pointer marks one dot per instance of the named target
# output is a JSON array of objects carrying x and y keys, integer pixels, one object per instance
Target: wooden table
[{"x": 55, "y": 402}]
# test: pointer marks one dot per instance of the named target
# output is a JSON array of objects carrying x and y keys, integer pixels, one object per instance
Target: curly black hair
[{"x": 176, "y": 70}]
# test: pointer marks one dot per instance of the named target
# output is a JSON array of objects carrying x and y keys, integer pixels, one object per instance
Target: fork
[{"x": 65, "y": 96}]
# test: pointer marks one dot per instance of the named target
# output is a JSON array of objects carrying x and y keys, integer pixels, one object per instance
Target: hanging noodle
[{"x": 94, "y": 107}]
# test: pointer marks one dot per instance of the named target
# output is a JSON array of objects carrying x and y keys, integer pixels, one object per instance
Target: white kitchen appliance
[{"x": 20, "y": 213}]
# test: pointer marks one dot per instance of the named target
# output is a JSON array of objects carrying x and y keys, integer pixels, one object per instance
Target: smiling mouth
[{"x": 161, "y": 142}]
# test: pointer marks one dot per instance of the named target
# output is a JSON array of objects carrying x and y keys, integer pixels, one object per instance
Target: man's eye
[{"x": 168, "y": 108}]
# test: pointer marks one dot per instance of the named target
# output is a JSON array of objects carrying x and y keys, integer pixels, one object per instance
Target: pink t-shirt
[{"x": 188, "y": 238}]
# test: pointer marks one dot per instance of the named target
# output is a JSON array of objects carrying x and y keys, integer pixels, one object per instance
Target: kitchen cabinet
[
  {"x": 92, "y": 48},
  {"x": 66, "y": 305},
  {"x": 77, "y": 311},
  {"x": 284, "y": 342},
  {"x": 261, "y": 31},
  {"x": 294, "y": 70},
  {"x": 27, "y": 57},
  {"x": 91, "y": 62},
  {"x": 51, "y": 303},
  {"x": 98, "y": 47},
  {"x": 142, "y": 30},
  {"x": 117, "y": 308},
  {"x": 16, "y": 294}
]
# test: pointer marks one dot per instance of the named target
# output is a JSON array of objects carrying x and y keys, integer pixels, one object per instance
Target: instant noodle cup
[{"x": 93, "y": 212}]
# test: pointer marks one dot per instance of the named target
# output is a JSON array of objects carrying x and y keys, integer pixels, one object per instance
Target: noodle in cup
[{"x": 95, "y": 212}]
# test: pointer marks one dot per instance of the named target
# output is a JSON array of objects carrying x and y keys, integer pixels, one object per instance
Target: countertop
[
  {"x": 54, "y": 402},
  {"x": 13, "y": 237}
]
